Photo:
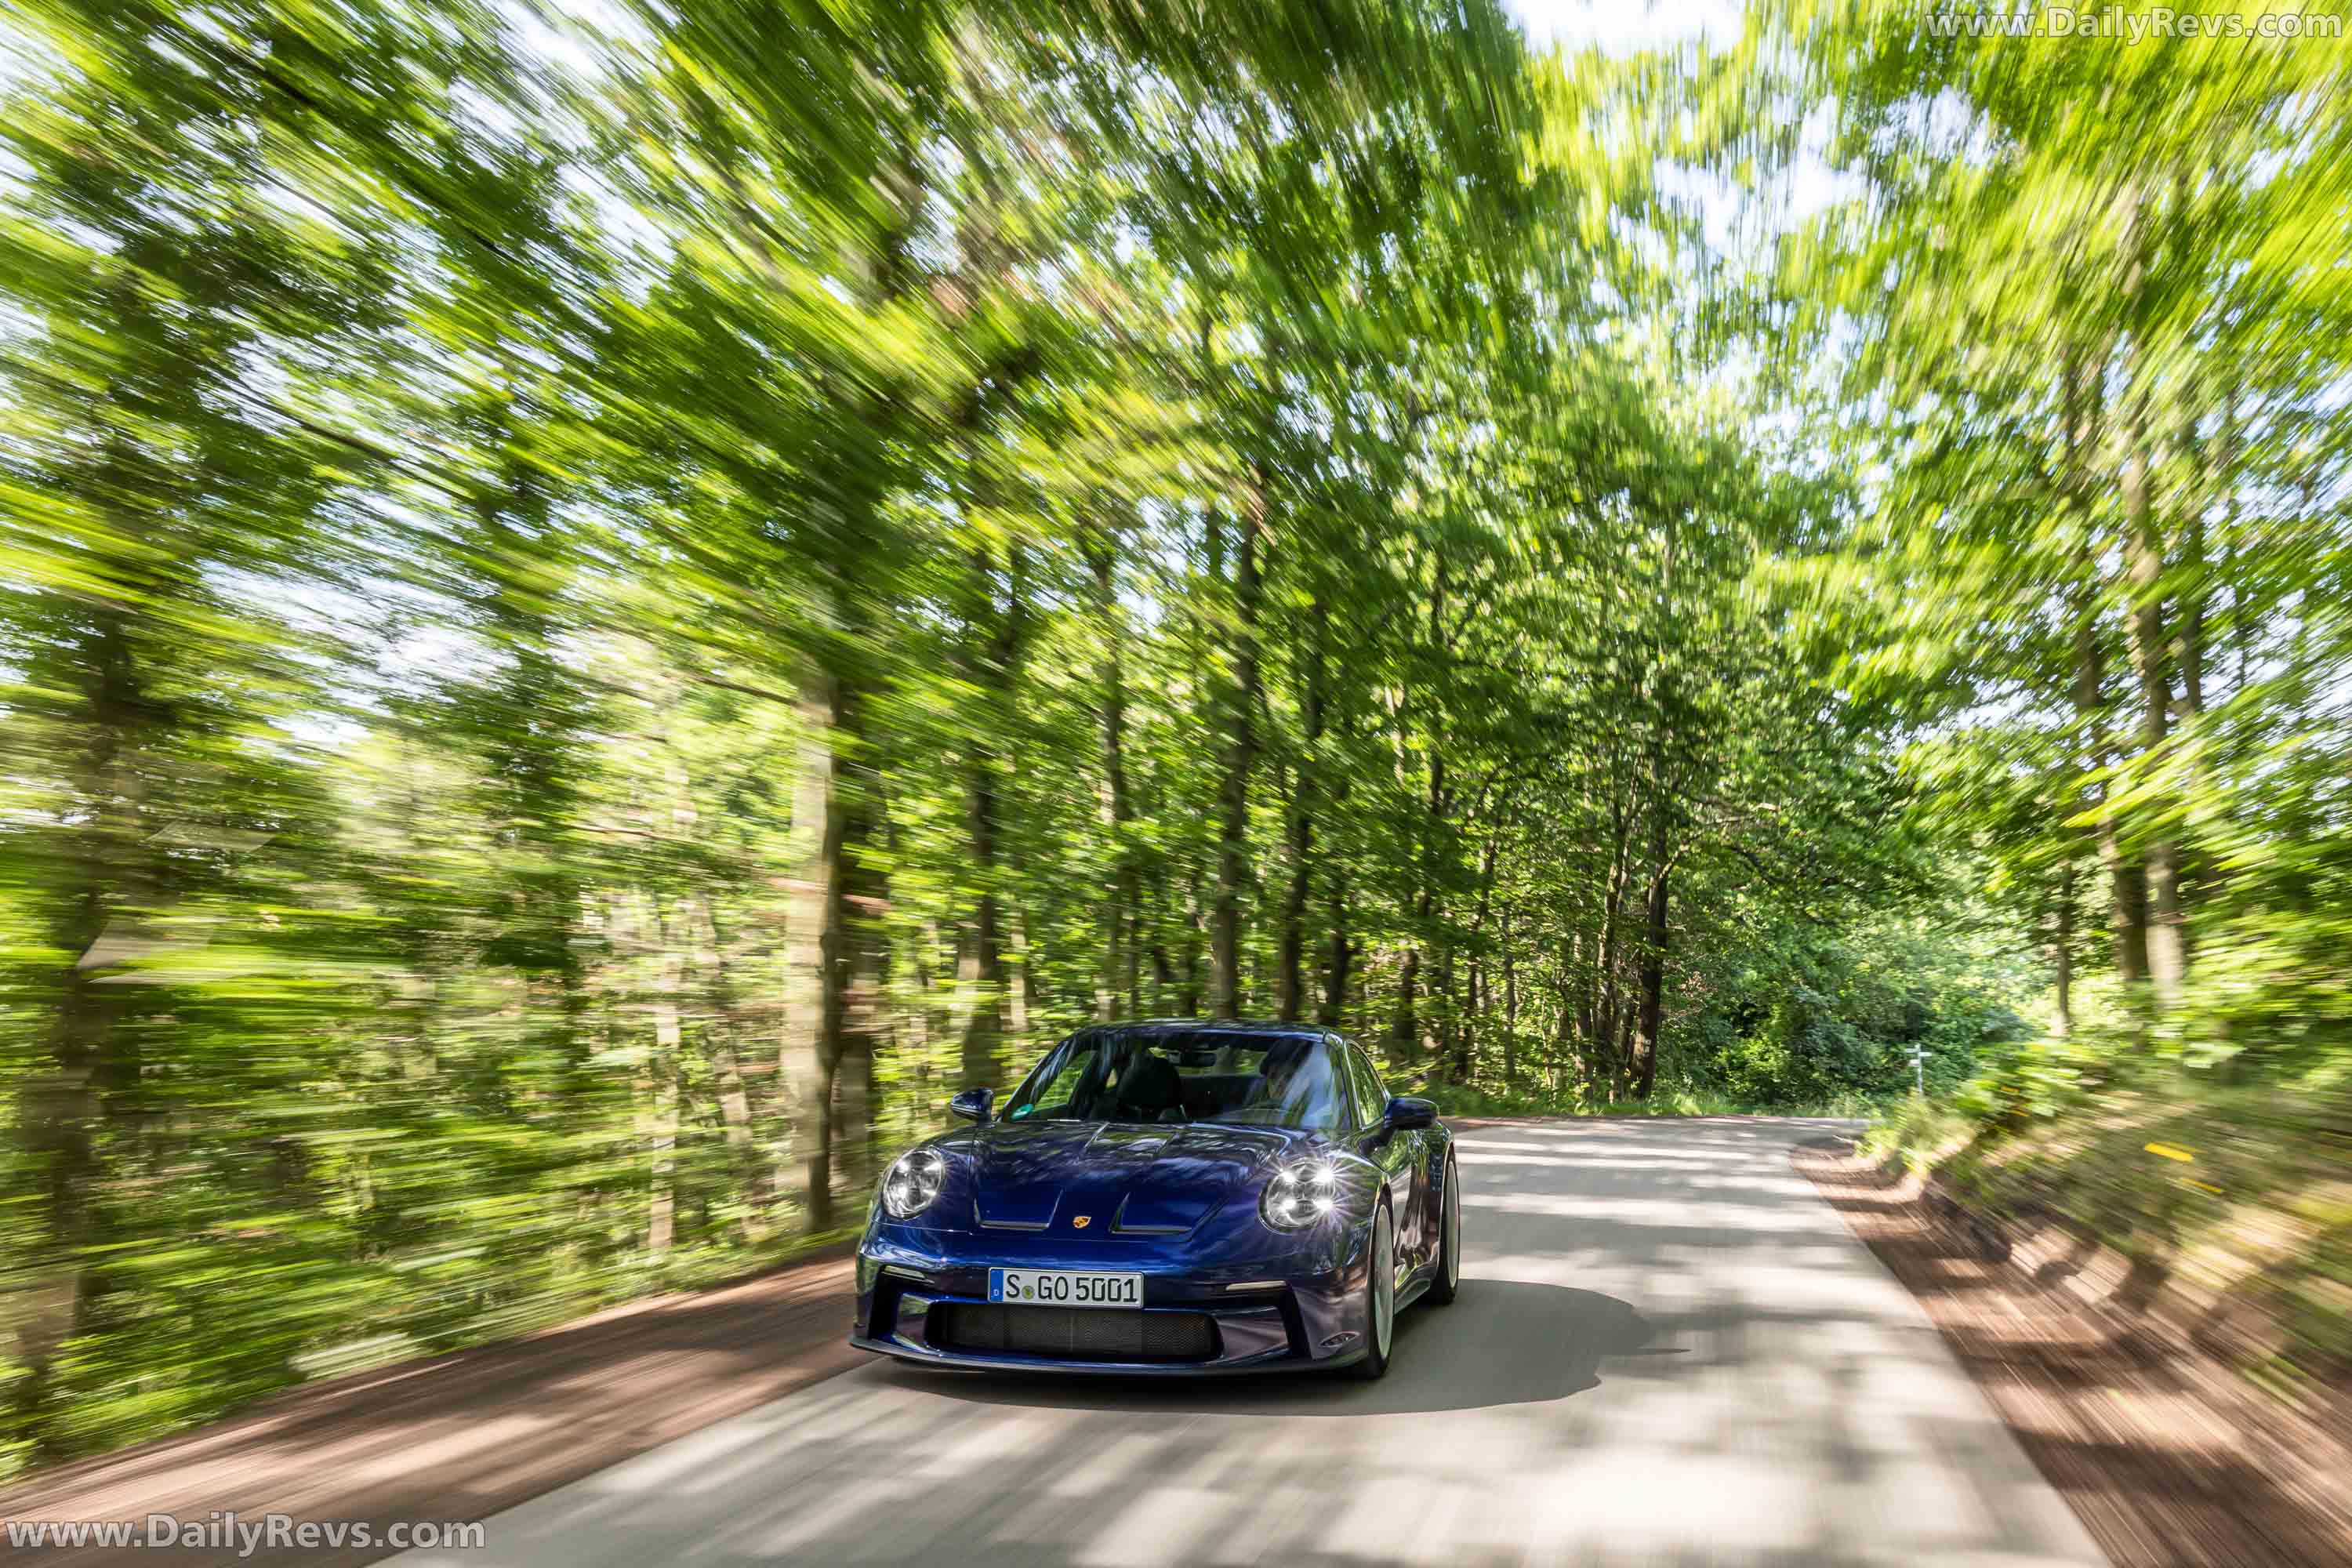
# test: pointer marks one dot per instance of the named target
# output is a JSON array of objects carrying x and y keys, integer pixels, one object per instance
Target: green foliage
[
  {"x": 1811, "y": 1014},
  {"x": 2102, "y": 565},
  {"x": 1918, "y": 1131},
  {"x": 2240, "y": 1194},
  {"x": 595, "y": 614}
]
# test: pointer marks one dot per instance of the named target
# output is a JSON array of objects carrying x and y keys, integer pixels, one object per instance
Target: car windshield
[{"x": 1177, "y": 1076}]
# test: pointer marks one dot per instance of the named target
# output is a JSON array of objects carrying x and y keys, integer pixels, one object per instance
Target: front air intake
[{"x": 1070, "y": 1334}]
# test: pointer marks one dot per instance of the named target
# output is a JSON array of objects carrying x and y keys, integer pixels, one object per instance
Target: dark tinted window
[
  {"x": 1188, "y": 1075},
  {"x": 1371, "y": 1100}
]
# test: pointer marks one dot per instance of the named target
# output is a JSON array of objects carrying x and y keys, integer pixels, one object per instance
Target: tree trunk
[
  {"x": 2127, "y": 889},
  {"x": 1335, "y": 972},
  {"x": 810, "y": 1051},
  {"x": 1404, "y": 1042},
  {"x": 2144, "y": 571},
  {"x": 1464, "y": 1030},
  {"x": 2167, "y": 947},
  {"x": 1163, "y": 972},
  {"x": 1575, "y": 1020},
  {"x": 1440, "y": 1032},
  {"x": 1580, "y": 995},
  {"x": 93, "y": 1043},
  {"x": 666, "y": 1069},
  {"x": 1403, "y": 1025},
  {"x": 1241, "y": 756},
  {"x": 1621, "y": 1062},
  {"x": 1188, "y": 994},
  {"x": 2192, "y": 652},
  {"x": 1619, "y": 873},
  {"x": 2208, "y": 478},
  {"x": 732, "y": 1089},
  {"x": 861, "y": 1028},
  {"x": 832, "y": 927},
  {"x": 993, "y": 665},
  {"x": 1511, "y": 1010},
  {"x": 842, "y": 892},
  {"x": 985, "y": 1028},
  {"x": 1121, "y": 985},
  {"x": 1291, "y": 989},
  {"x": 1645, "y": 1063},
  {"x": 2062, "y": 955}
]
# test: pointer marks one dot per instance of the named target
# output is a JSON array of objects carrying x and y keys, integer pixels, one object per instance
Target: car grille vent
[{"x": 1072, "y": 1333}]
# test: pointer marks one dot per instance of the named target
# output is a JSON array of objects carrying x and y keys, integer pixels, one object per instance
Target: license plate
[{"x": 1061, "y": 1288}]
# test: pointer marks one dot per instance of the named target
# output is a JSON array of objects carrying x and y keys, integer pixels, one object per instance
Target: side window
[
  {"x": 1049, "y": 1088},
  {"x": 1059, "y": 1088},
  {"x": 1343, "y": 1064},
  {"x": 1371, "y": 1100}
]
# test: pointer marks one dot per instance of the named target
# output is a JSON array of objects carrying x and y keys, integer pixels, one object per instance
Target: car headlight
[
  {"x": 913, "y": 1180},
  {"x": 1300, "y": 1193}
]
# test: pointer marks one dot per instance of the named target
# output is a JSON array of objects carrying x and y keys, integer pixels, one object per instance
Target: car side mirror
[
  {"x": 1405, "y": 1113},
  {"x": 974, "y": 1104}
]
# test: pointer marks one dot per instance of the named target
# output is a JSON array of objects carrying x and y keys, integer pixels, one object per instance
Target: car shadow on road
[{"x": 1502, "y": 1341}]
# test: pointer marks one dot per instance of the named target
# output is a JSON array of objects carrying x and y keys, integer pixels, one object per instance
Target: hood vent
[
  {"x": 1132, "y": 1139},
  {"x": 1158, "y": 1208}
]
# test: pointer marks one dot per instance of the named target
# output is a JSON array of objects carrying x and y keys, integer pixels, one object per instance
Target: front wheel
[
  {"x": 1379, "y": 1298},
  {"x": 1447, "y": 1284}
]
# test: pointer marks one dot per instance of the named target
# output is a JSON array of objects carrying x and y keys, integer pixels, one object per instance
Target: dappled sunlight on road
[{"x": 1638, "y": 1370}]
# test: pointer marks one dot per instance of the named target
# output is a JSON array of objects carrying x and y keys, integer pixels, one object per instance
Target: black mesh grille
[{"x": 1073, "y": 1334}]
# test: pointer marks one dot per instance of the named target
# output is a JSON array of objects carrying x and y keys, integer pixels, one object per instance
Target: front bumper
[{"x": 1294, "y": 1311}]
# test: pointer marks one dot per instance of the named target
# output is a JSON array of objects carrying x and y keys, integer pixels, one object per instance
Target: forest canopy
[{"x": 599, "y": 606}]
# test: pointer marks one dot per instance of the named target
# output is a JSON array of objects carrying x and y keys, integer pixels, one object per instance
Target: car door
[{"x": 1397, "y": 1154}]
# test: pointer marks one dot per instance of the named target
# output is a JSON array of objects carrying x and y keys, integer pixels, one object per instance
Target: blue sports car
[{"x": 1167, "y": 1197}]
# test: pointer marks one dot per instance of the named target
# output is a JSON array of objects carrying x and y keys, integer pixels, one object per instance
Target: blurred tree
[{"x": 598, "y": 610}]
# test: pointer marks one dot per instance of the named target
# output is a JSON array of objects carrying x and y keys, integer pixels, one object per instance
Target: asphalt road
[{"x": 1667, "y": 1350}]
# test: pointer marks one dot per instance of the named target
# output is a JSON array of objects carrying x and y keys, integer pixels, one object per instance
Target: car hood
[{"x": 1123, "y": 1178}]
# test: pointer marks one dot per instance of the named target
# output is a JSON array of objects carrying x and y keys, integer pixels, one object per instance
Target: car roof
[{"x": 1219, "y": 1027}]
